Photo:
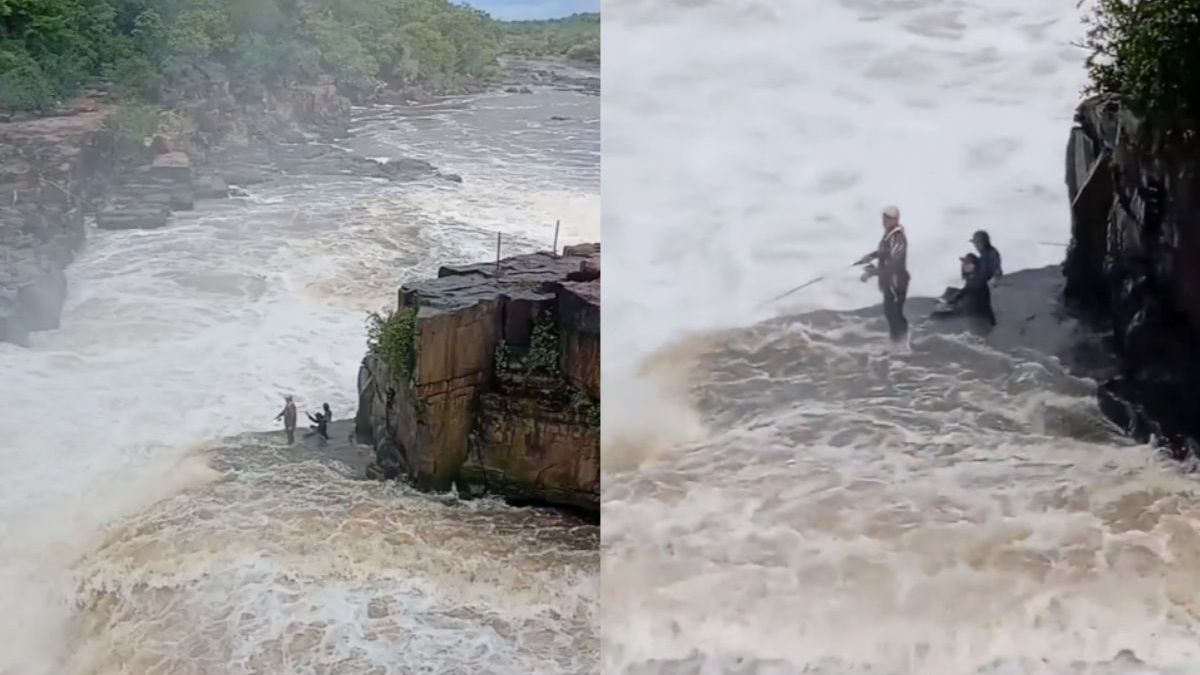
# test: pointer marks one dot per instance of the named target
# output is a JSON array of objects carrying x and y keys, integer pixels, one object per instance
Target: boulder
[
  {"x": 211, "y": 186},
  {"x": 33, "y": 289},
  {"x": 147, "y": 217},
  {"x": 173, "y": 171}
]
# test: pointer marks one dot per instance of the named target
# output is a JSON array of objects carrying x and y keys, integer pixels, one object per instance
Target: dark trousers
[
  {"x": 984, "y": 309},
  {"x": 291, "y": 434},
  {"x": 893, "y": 310}
]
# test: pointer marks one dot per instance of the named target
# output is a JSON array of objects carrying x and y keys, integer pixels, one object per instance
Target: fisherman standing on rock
[
  {"x": 288, "y": 415},
  {"x": 891, "y": 268}
]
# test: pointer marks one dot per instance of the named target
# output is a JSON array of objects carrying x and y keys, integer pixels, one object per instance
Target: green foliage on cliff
[
  {"x": 50, "y": 48},
  {"x": 543, "y": 345},
  {"x": 392, "y": 336},
  {"x": 586, "y": 407},
  {"x": 575, "y": 37},
  {"x": 1148, "y": 51},
  {"x": 134, "y": 123}
]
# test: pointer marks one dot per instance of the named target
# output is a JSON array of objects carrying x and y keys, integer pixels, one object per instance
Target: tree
[{"x": 1148, "y": 51}]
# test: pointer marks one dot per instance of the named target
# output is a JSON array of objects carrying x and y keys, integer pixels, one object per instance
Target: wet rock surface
[
  {"x": 339, "y": 449},
  {"x": 502, "y": 394},
  {"x": 1032, "y": 320},
  {"x": 48, "y": 178},
  {"x": 245, "y": 167},
  {"x": 1132, "y": 267},
  {"x": 522, "y": 75}
]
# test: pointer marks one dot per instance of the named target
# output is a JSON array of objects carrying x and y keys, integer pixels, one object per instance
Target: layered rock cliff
[
  {"x": 1133, "y": 266},
  {"x": 488, "y": 378},
  {"x": 51, "y": 171}
]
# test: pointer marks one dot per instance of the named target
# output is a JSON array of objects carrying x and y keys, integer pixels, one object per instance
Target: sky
[{"x": 511, "y": 10}]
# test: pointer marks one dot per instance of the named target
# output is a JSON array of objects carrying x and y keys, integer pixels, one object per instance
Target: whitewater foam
[{"x": 944, "y": 511}]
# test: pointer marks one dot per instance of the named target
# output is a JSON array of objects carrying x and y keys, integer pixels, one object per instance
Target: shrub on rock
[{"x": 1148, "y": 52}]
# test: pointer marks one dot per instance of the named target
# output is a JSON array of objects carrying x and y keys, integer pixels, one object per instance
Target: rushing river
[
  {"x": 785, "y": 496},
  {"x": 131, "y": 542}
]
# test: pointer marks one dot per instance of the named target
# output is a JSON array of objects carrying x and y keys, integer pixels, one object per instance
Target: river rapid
[
  {"x": 132, "y": 540},
  {"x": 781, "y": 493}
]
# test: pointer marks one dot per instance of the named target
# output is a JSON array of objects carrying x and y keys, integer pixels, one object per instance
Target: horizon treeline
[{"x": 139, "y": 49}]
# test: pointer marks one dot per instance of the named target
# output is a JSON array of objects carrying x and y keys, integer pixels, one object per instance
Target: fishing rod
[{"x": 806, "y": 284}]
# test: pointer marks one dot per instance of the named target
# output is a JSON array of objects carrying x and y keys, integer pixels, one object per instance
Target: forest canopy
[
  {"x": 51, "y": 48},
  {"x": 574, "y": 37},
  {"x": 1148, "y": 52}
]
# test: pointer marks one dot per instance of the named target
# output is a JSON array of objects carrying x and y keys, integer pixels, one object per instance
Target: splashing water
[
  {"x": 132, "y": 542},
  {"x": 805, "y": 502}
]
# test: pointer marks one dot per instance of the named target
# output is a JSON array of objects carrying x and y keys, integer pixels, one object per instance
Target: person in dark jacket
[
  {"x": 974, "y": 299},
  {"x": 889, "y": 263},
  {"x": 319, "y": 426},
  {"x": 989, "y": 257}
]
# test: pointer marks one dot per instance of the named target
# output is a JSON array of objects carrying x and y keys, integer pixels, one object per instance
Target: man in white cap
[
  {"x": 288, "y": 415},
  {"x": 891, "y": 268}
]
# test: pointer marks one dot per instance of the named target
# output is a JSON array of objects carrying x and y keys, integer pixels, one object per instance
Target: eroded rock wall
[
  {"x": 49, "y": 168},
  {"x": 502, "y": 392},
  {"x": 1133, "y": 265}
]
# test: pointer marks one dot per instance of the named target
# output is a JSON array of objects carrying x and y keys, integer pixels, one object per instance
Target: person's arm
[
  {"x": 867, "y": 258},
  {"x": 974, "y": 282},
  {"x": 310, "y": 417},
  {"x": 280, "y": 415}
]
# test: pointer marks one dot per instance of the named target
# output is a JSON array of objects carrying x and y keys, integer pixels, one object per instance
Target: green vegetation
[
  {"x": 541, "y": 359},
  {"x": 586, "y": 407},
  {"x": 1148, "y": 52},
  {"x": 49, "y": 49},
  {"x": 134, "y": 123},
  {"x": 543, "y": 345},
  {"x": 392, "y": 336},
  {"x": 575, "y": 37}
]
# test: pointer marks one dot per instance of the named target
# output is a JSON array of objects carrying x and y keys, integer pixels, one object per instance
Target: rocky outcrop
[
  {"x": 149, "y": 194},
  {"x": 493, "y": 384},
  {"x": 1134, "y": 266},
  {"x": 49, "y": 171},
  {"x": 318, "y": 107}
]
